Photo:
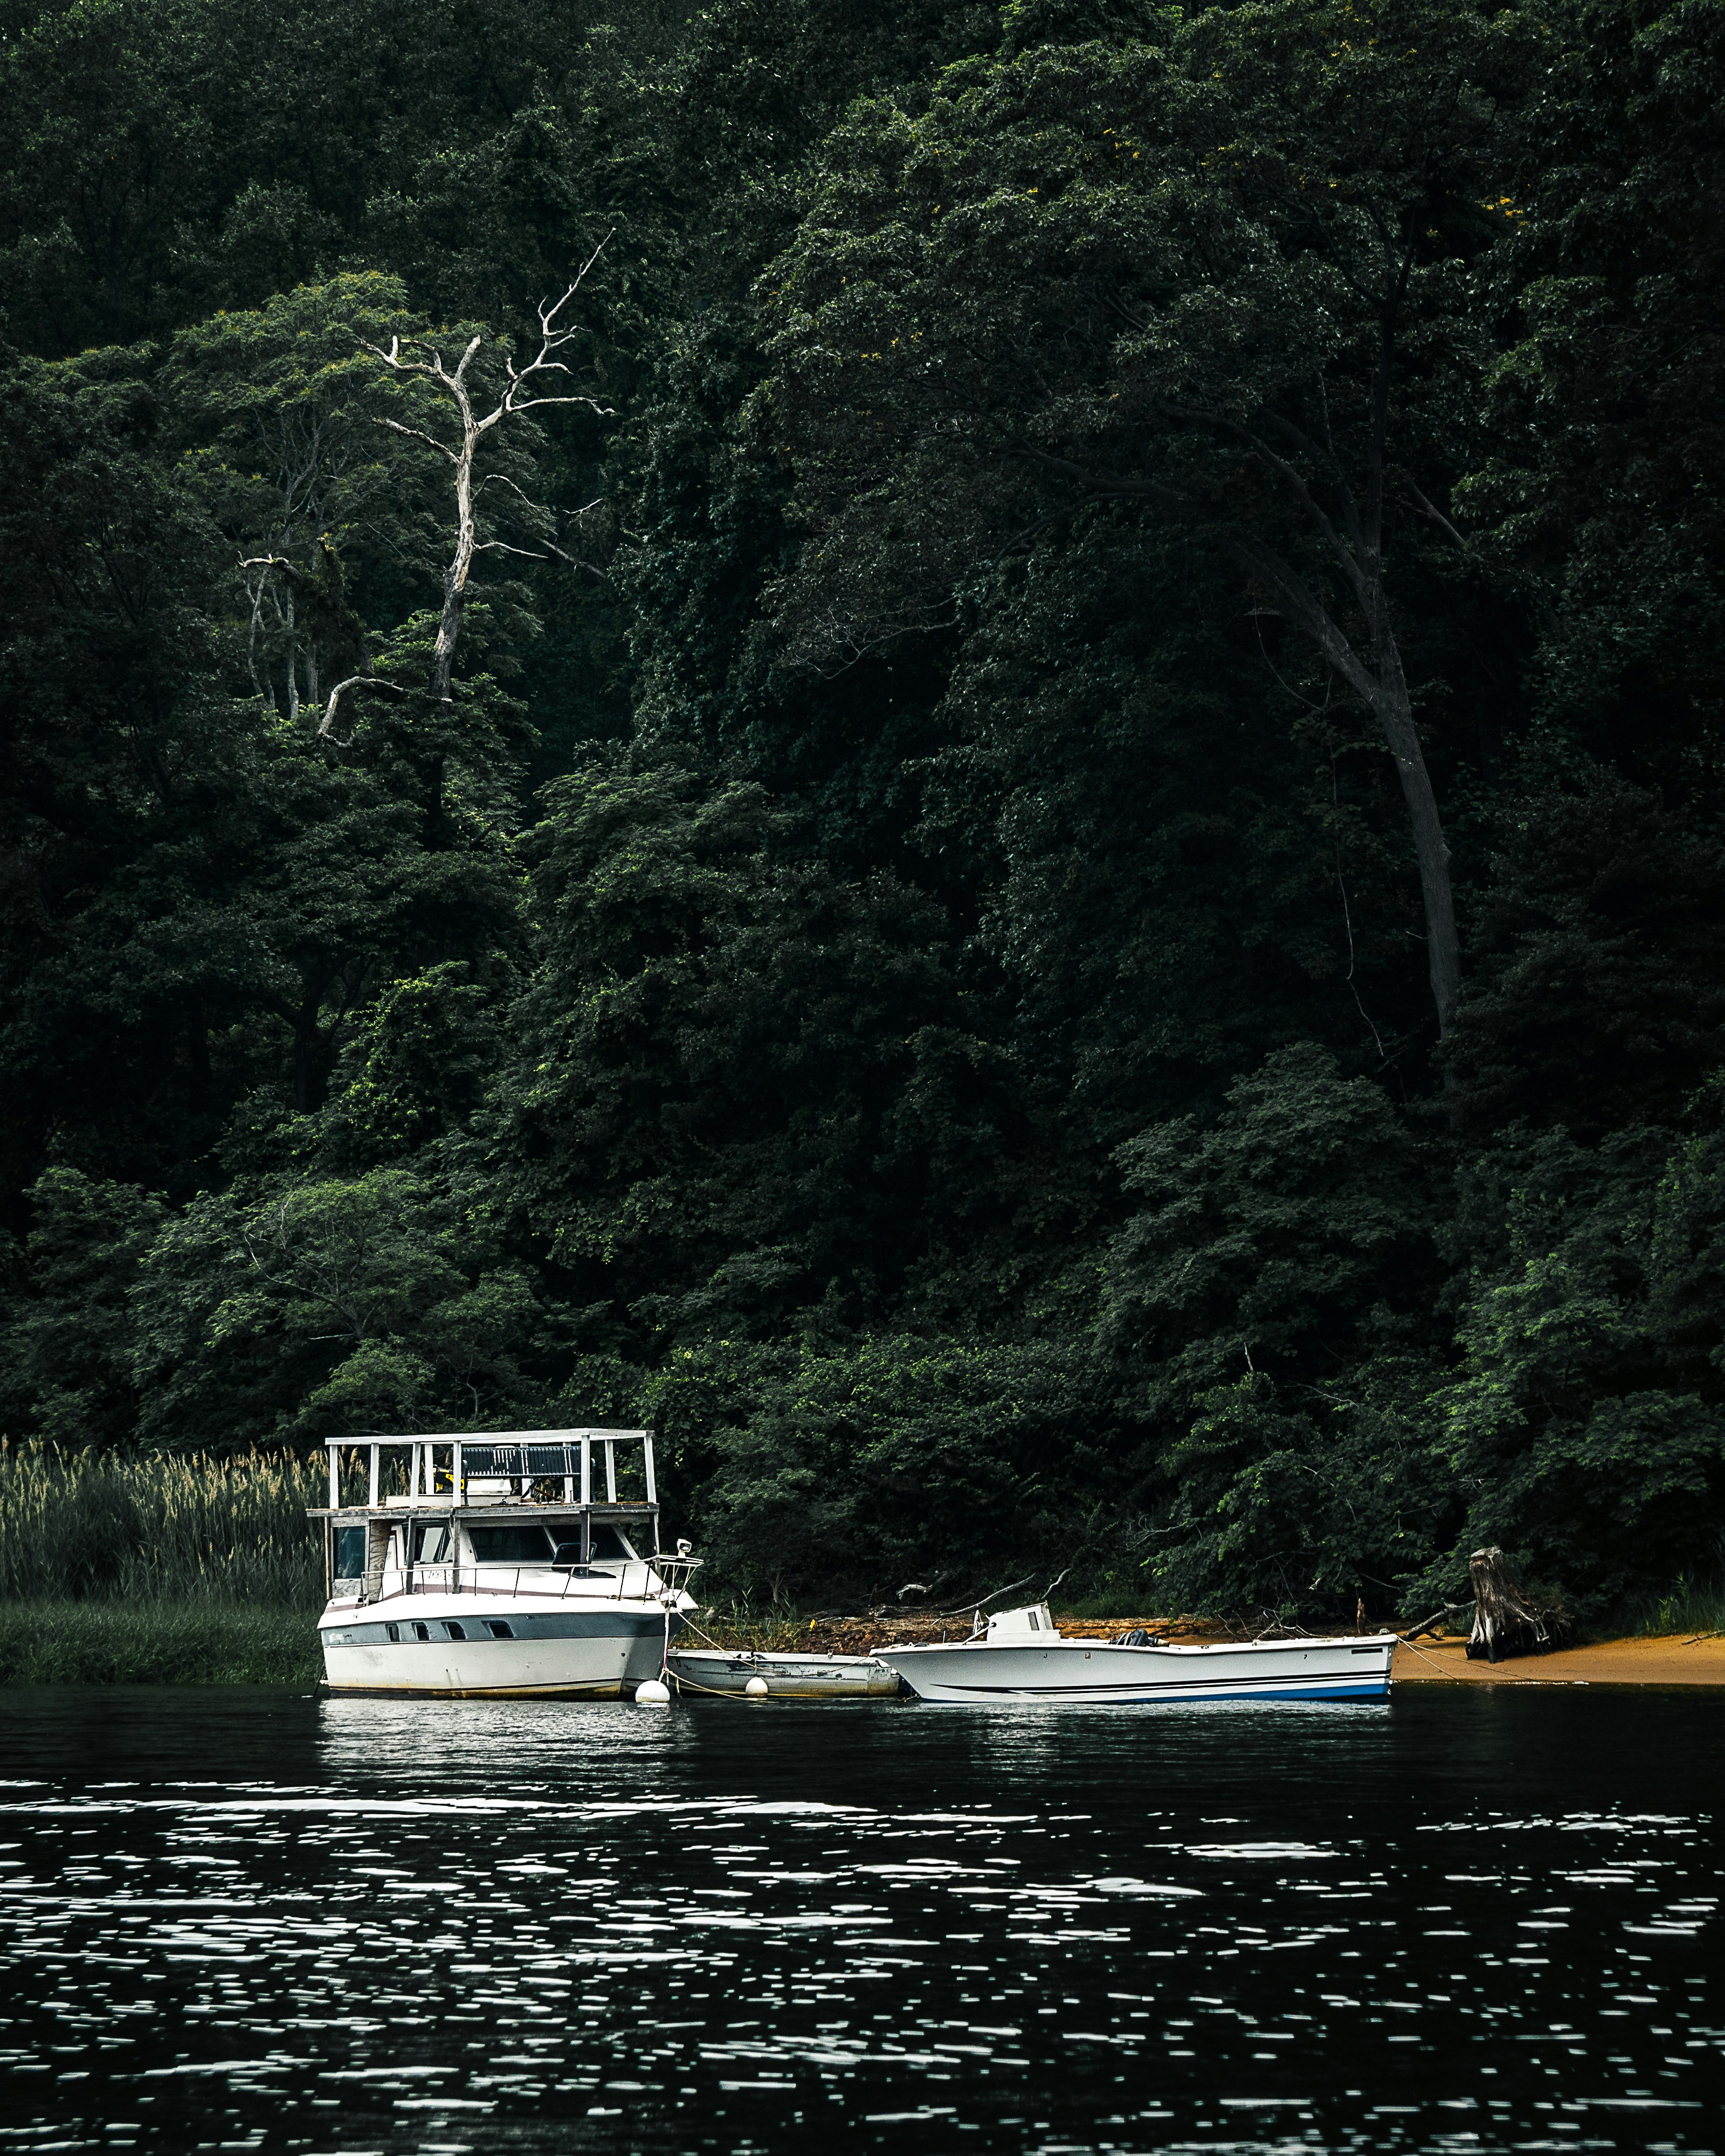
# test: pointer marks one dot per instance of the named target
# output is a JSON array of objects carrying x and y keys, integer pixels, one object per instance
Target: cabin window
[
  {"x": 523, "y": 1544},
  {"x": 350, "y": 1553},
  {"x": 609, "y": 1547},
  {"x": 421, "y": 1631},
  {"x": 499, "y": 1627},
  {"x": 1035, "y": 1623},
  {"x": 455, "y": 1630},
  {"x": 393, "y": 1630},
  {"x": 431, "y": 1544}
]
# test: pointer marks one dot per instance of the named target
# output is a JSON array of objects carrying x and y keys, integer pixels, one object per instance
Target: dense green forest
[{"x": 974, "y": 752}]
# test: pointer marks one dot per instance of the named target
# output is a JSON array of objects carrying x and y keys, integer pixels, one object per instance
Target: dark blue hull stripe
[
  {"x": 1119, "y": 1695},
  {"x": 398, "y": 1632}
]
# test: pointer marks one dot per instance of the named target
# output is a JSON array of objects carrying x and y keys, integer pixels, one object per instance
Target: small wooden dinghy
[{"x": 699, "y": 1669}]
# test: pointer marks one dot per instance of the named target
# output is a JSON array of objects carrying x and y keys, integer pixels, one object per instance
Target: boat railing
[
  {"x": 569, "y": 1464},
  {"x": 640, "y": 1579}
]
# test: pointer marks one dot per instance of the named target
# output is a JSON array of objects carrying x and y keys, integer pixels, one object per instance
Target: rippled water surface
[{"x": 1466, "y": 1922}]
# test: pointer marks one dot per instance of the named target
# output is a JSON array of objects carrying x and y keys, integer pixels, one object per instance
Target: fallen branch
[{"x": 1442, "y": 1615}]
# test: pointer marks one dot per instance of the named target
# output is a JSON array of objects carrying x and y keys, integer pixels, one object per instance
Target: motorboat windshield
[{"x": 556, "y": 1542}]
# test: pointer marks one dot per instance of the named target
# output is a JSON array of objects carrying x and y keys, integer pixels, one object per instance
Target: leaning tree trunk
[
  {"x": 1376, "y": 676},
  {"x": 1506, "y": 1621},
  {"x": 1394, "y": 710}
]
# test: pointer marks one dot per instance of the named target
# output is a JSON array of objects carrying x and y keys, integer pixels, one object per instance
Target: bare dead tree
[{"x": 527, "y": 388}]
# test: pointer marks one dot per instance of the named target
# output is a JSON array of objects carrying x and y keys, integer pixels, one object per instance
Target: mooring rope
[{"x": 1509, "y": 1675}]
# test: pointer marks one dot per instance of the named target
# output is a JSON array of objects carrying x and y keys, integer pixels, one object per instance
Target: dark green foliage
[
  {"x": 1179, "y": 865},
  {"x": 1585, "y": 1424},
  {"x": 1599, "y": 959},
  {"x": 308, "y": 1304},
  {"x": 417, "y": 1066},
  {"x": 1602, "y": 476},
  {"x": 1274, "y": 1241},
  {"x": 1267, "y": 1308},
  {"x": 68, "y": 1347},
  {"x": 905, "y": 958},
  {"x": 924, "y": 1460},
  {"x": 747, "y": 1091}
]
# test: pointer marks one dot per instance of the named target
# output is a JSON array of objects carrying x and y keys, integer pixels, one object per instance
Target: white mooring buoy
[
  {"x": 652, "y": 1693},
  {"x": 756, "y": 1687}
]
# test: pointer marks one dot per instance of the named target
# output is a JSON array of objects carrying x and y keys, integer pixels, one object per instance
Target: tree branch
[{"x": 327, "y": 729}]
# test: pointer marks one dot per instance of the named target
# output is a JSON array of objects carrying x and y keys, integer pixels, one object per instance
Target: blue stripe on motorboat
[
  {"x": 597, "y": 1625},
  {"x": 1092, "y": 1695},
  {"x": 1292, "y": 1680}
]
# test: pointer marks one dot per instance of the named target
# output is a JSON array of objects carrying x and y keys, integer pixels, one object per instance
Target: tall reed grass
[
  {"x": 1684, "y": 1607},
  {"x": 78, "y": 1527}
]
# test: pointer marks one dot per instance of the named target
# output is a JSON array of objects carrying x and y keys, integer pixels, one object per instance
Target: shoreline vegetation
[
  {"x": 165, "y": 1570},
  {"x": 154, "y": 1569},
  {"x": 214, "y": 1641}
]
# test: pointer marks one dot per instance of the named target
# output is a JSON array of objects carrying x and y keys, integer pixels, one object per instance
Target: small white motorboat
[
  {"x": 1021, "y": 1659},
  {"x": 487, "y": 1564},
  {"x": 786, "y": 1676}
]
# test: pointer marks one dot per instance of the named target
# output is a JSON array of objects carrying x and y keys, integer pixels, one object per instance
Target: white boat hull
[
  {"x": 554, "y": 1646},
  {"x": 1095, "y": 1673},
  {"x": 786, "y": 1676}
]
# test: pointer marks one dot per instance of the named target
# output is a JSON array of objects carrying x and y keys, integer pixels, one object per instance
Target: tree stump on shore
[{"x": 1505, "y": 1620}]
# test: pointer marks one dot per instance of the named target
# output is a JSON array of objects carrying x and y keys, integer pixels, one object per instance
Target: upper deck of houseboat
[{"x": 496, "y": 1511}]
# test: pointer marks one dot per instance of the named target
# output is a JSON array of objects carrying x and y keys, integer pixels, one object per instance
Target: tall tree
[{"x": 1225, "y": 276}]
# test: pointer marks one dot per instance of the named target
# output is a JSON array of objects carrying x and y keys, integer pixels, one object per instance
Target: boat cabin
[{"x": 522, "y": 1511}]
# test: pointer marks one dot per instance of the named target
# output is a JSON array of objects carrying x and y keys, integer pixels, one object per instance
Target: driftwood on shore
[{"x": 1506, "y": 1621}]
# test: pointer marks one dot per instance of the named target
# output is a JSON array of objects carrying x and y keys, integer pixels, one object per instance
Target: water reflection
[{"x": 1465, "y": 1925}]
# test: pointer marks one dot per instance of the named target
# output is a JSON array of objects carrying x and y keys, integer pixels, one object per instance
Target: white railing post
[
  {"x": 586, "y": 1473},
  {"x": 335, "y": 1478},
  {"x": 646, "y": 1462},
  {"x": 455, "y": 1474},
  {"x": 610, "y": 1471},
  {"x": 373, "y": 1499}
]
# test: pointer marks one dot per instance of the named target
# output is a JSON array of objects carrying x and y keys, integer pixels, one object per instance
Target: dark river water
[{"x": 1466, "y": 1920}]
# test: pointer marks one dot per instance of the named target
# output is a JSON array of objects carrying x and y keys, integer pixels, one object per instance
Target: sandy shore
[{"x": 1680, "y": 1660}]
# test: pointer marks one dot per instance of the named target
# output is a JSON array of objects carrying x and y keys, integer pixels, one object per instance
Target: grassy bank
[
  {"x": 157, "y": 1643},
  {"x": 117, "y": 1570},
  {"x": 1684, "y": 1610}
]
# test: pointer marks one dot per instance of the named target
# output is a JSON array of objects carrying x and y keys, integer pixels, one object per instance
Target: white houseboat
[{"x": 498, "y": 1564}]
